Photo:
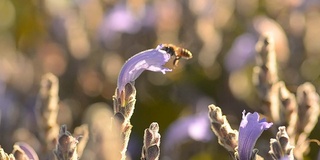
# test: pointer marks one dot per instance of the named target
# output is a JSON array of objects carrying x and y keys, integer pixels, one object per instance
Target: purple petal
[
  {"x": 28, "y": 150},
  {"x": 250, "y": 130},
  {"x": 152, "y": 60}
]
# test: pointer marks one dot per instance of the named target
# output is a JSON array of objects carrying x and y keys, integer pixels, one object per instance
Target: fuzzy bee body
[{"x": 177, "y": 52}]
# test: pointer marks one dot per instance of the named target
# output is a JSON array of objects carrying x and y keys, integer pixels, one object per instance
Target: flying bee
[{"x": 177, "y": 52}]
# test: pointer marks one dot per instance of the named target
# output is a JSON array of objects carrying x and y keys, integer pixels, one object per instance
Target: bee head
[{"x": 170, "y": 50}]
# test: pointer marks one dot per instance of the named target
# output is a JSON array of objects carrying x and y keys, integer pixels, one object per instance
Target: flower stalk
[
  {"x": 5, "y": 156},
  {"x": 290, "y": 109},
  {"x": 47, "y": 111},
  {"x": 227, "y": 137},
  {"x": 280, "y": 147},
  {"x": 308, "y": 113},
  {"x": 123, "y": 113},
  {"x": 151, "y": 143},
  {"x": 265, "y": 76},
  {"x": 66, "y": 148}
]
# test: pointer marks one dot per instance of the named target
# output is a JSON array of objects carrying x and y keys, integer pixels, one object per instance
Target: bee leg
[{"x": 176, "y": 61}]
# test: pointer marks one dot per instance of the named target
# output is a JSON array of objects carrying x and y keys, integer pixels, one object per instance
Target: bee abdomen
[{"x": 186, "y": 53}]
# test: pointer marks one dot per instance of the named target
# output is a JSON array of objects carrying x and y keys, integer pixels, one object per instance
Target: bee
[{"x": 177, "y": 52}]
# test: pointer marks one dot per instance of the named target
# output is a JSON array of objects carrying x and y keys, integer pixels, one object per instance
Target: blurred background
[{"x": 85, "y": 42}]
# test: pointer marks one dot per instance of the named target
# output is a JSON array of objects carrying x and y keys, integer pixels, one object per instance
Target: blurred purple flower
[
  {"x": 250, "y": 130},
  {"x": 242, "y": 52},
  {"x": 152, "y": 60},
  {"x": 120, "y": 19},
  {"x": 195, "y": 127}
]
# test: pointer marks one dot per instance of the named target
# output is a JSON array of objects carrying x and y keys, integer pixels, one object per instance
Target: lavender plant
[
  {"x": 73, "y": 38},
  {"x": 68, "y": 147},
  {"x": 240, "y": 144},
  {"x": 62, "y": 143},
  {"x": 21, "y": 151},
  {"x": 65, "y": 146},
  {"x": 299, "y": 113},
  {"x": 279, "y": 105},
  {"x": 124, "y": 98}
]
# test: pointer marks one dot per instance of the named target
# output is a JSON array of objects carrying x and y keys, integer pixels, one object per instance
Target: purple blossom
[
  {"x": 250, "y": 130},
  {"x": 28, "y": 150},
  {"x": 152, "y": 60}
]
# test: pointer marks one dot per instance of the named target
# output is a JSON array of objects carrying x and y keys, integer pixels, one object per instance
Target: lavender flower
[
  {"x": 22, "y": 150},
  {"x": 125, "y": 94},
  {"x": 152, "y": 60},
  {"x": 250, "y": 130}
]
